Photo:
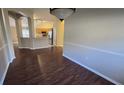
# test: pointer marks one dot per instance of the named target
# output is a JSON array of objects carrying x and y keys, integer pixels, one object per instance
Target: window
[{"x": 25, "y": 27}]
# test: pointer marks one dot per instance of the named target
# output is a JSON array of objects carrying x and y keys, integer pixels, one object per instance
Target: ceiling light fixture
[{"x": 62, "y": 13}]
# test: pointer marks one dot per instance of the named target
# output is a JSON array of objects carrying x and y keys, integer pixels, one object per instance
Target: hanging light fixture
[{"x": 62, "y": 13}]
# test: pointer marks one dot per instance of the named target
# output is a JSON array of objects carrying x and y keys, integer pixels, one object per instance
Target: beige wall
[
  {"x": 94, "y": 38},
  {"x": 14, "y": 35},
  {"x": 60, "y": 33}
]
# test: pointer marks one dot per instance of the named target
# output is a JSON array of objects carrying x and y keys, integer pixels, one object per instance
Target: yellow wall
[{"x": 60, "y": 33}]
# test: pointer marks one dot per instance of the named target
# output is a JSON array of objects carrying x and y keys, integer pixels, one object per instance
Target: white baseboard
[
  {"x": 94, "y": 71},
  {"x": 41, "y": 47},
  {"x": 6, "y": 69},
  {"x": 25, "y": 47},
  {"x": 11, "y": 60},
  {"x": 4, "y": 74},
  {"x": 35, "y": 47}
]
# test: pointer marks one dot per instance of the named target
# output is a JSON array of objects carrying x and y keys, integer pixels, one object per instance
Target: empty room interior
[{"x": 61, "y": 46}]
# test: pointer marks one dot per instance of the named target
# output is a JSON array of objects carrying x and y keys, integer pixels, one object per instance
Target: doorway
[{"x": 44, "y": 33}]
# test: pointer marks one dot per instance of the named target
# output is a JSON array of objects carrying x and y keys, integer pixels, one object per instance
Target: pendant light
[{"x": 62, "y": 13}]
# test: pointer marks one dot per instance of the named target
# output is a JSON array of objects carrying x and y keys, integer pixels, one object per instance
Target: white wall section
[
  {"x": 6, "y": 47},
  {"x": 94, "y": 39}
]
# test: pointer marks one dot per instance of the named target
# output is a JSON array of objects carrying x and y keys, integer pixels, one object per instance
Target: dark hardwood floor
[{"x": 48, "y": 66}]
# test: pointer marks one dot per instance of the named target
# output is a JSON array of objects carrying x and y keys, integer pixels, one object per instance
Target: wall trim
[
  {"x": 11, "y": 60},
  {"x": 4, "y": 74},
  {"x": 92, "y": 70},
  {"x": 34, "y": 48},
  {"x": 41, "y": 47},
  {"x": 96, "y": 49},
  {"x": 25, "y": 48}
]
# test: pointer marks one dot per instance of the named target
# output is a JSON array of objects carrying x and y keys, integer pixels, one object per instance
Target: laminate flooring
[{"x": 48, "y": 67}]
